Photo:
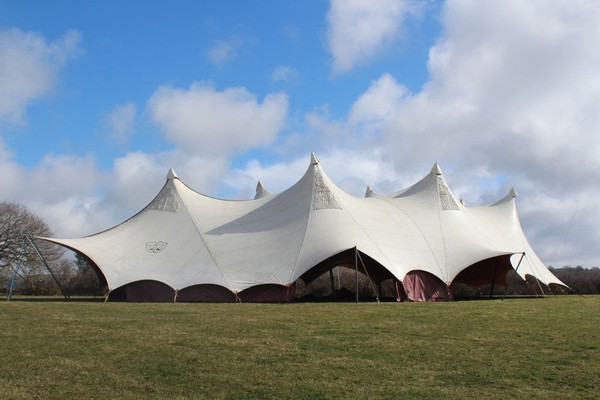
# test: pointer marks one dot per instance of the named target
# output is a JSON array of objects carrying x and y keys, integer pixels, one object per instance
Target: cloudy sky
[{"x": 98, "y": 99}]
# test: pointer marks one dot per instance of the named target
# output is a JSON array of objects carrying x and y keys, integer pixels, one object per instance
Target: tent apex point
[
  {"x": 171, "y": 174},
  {"x": 513, "y": 192},
  {"x": 261, "y": 191},
  {"x": 313, "y": 159},
  {"x": 436, "y": 169}
]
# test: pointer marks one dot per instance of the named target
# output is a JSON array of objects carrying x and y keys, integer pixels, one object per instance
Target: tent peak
[
  {"x": 369, "y": 192},
  {"x": 261, "y": 191},
  {"x": 512, "y": 193},
  {"x": 171, "y": 174},
  {"x": 436, "y": 169},
  {"x": 313, "y": 159}
]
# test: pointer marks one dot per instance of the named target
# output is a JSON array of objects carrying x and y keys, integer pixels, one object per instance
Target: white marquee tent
[{"x": 186, "y": 246}]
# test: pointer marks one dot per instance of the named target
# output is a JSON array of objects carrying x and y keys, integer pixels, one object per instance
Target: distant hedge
[{"x": 581, "y": 280}]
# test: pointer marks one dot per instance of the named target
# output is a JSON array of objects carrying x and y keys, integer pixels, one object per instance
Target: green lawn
[{"x": 516, "y": 348}]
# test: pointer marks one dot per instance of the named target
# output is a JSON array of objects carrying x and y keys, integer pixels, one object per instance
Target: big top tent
[{"x": 185, "y": 246}]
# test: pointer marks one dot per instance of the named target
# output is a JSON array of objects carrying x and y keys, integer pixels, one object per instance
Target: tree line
[
  {"x": 581, "y": 280},
  {"x": 22, "y": 268}
]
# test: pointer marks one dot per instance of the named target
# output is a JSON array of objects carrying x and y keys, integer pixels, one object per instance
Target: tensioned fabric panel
[{"x": 184, "y": 238}]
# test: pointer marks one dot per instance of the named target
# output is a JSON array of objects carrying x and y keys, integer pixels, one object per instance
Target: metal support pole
[
  {"x": 520, "y": 259},
  {"x": 15, "y": 274},
  {"x": 332, "y": 279},
  {"x": 494, "y": 278},
  {"x": 47, "y": 266},
  {"x": 12, "y": 284},
  {"x": 369, "y": 277},
  {"x": 356, "y": 270},
  {"x": 516, "y": 269},
  {"x": 540, "y": 286}
]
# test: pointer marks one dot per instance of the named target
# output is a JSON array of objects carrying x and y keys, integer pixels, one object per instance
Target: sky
[{"x": 98, "y": 99}]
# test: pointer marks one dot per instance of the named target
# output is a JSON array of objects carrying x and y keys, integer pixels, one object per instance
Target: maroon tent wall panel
[
  {"x": 268, "y": 293},
  {"x": 206, "y": 294},
  {"x": 423, "y": 286},
  {"x": 151, "y": 291}
]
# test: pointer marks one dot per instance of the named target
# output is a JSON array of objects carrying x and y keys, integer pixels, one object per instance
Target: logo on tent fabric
[{"x": 155, "y": 247}]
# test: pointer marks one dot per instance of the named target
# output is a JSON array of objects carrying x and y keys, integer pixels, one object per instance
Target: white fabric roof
[{"x": 183, "y": 238}]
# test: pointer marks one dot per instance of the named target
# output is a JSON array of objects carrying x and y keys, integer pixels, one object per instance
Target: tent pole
[
  {"x": 356, "y": 270},
  {"x": 494, "y": 278},
  {"x": 540, "y": 286},
  {"x": 516, "y": 269},
  {"x": 520, "y": 259},
  {"x": 14, "y": 277},
  {"x": 12, "y": 284},
  {"x": 331, "y": 278},
  {"x": 47, "y": 266},
  {"x": 369, "y": 277}
]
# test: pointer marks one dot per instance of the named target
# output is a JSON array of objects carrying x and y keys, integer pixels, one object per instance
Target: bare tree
[{"x": 15, "y": 221}]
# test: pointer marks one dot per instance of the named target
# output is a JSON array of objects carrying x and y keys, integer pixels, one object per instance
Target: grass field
[{"x": 516, "y": 348}]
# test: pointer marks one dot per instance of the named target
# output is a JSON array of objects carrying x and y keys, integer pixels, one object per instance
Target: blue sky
[{"x": 99, "y": 99}]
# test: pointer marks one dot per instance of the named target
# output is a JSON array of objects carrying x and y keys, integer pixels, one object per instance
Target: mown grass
[{"x": 516, "y": 348}]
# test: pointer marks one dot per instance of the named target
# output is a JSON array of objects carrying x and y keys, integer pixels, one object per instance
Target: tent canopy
[{"x": 185, "y": 240}]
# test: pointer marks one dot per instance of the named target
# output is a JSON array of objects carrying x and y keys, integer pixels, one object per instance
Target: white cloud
[
  {"x": 120, "y": 122},
  {"x": 29, "y": 68},
  {"x": 276, "y": 177},
  {"x": 137, "y": 177},
  {"x": 93, "y": 199},
  {"x": 513, "y": 92},
  {"x": 224, "y": 51},
  {"x": 512, "y": 99},
  {"x": 378, "y": 103},
  {"x": 96, "y": 200},
  {"x": 285, "y": 74},
  {"x": 359, "y": 30},
  {"x": 12, "y": 176},
  {"x": 349, "y": 169},
  {"x": 206, "y": 121},
  {"x": 58, "y": 186}
]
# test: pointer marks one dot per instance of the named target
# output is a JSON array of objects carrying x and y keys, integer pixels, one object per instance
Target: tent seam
[{"x": 212, "y": 255}]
